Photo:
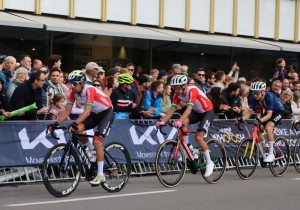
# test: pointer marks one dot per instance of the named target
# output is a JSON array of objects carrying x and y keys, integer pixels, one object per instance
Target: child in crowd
[{"x": 57, "y": 107}]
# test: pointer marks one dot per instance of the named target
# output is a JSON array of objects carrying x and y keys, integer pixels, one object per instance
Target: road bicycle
[
  {"x": 65, "y": 163},
  {"x": 250, "y": 151},
  {"x": 174, "y": 156},
  {"x": 296, "y": 155}
]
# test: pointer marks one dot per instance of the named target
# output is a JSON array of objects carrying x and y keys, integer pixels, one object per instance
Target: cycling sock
[
  {"x": 89, "y": 145},
  {"x": 207, "y": 156},
  {"x": 271, "y": 144},
  {"x": 100, "y": 168}
]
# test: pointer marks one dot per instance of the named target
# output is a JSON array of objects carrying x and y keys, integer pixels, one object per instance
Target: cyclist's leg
[
  {"x": 269, "y": 127},
  {"x": 85, "y": 140}
]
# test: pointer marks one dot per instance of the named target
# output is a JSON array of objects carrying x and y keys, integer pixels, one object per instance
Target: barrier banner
[{"x": 25, "y": 143}]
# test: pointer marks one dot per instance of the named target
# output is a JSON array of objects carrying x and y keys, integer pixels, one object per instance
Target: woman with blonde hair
[
  {"x": 19, "y": 77},
  {"x": 295, "y": 104}
]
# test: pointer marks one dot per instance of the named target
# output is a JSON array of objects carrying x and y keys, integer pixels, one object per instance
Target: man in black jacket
[
  {"x": 28, "y": 93},
  {"x": 230, "y": 97}
]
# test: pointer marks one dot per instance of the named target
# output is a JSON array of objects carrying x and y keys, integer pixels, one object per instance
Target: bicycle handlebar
[
  {"x": 179, "y": 129},
  {"x": 295, "y": 125},
  {"x": 77, "y": 135},
  {"x": 251, "y": 123}
]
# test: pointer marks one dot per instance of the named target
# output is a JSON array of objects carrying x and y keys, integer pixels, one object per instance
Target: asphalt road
[{"x": 263, "y": 191}]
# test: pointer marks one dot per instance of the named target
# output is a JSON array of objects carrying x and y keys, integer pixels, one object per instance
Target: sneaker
[
  {"x": 270, "y": 158},
  {"x": 98, "y": 179},
  {"x": 209, "y": 169},
  {"x": 91, "y": 155}
]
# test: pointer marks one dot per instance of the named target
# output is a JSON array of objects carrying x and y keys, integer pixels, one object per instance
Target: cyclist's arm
[
  {"x": 266, "y": 117},
  {"x": 85, "y": 114},
  {"x": 170, "y": 113},
  {"x": 186, "y": 113},
  {"x": 247, "y": 114}
]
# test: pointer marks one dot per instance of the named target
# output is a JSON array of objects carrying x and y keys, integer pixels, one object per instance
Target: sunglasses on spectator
[
  {"x": 96, "y": 85},
  {"x": 201, "y": 75},
  {"x": 130, "y": 69},
  {"x": 100, "y": 73},
  {"x": 45, "y": 72}
]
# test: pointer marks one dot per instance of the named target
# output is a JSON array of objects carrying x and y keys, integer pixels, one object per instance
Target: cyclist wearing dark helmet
[
  {"x": 273, "y": 112},
  {"x": 199, "y": 109},
  {"x": 98, "y": 112}
]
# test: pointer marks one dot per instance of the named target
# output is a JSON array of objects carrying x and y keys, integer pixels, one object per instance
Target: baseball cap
[
  {"x": 143, "y": 78},
  {"x": 93, "y": 65},
  {"x": 2, "y": 58},
  {"x": 162, "y": 73}
]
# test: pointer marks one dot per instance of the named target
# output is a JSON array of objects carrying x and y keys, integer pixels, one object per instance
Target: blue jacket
[{"x": 150, "y": 101}]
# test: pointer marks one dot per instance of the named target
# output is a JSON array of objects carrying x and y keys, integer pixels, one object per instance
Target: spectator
[
  {"x": 293, "y": 77},
  {"x": 19, "y": 77},
  {"x": 7, "y": 73},
  {"x": 280, "y": 72},
  {"x": 28, "y": 93},
  {"x": 285, "y": 85},
  {"x": 45, "y": 97},
  {"x": 101, "y": 74},
  {"x": 200, "y": 79},
  {"x": 138, "y": 71},
  {"x": 118, "y": 66},
  {"x": 36, "y": 65},
  {"x": 162, "y": 76},
  {"x": 228, "y": 80},
  {"x": 122, "y": 98},
  {"x": 57, "y": 107},
  {"x": 244, "y": 93},
  {"x": 296, "y": 86},
  {"x": 54, "y": 83},
  {"x": 131, "y": 68},
  {"x": 286, "y": 99},
  {"x": 234, "y": 72},
  {"x": 54, "y": 61},
  {"x": 176, "y": 69},
  {"x": 154, "y": 74},
  {"x": 184, "y": 70},
  {"x": 276, "y": 88},
  {"x": 190, "y": 82},
  {"x": 230, "y": 97},
  {"x": 5, "y": 107},
  {"x": 99, "y": 84},
  {"x": 220, "y": 79},
  {"x": 166, "y": 100},
  {"x": 2, "y": 62},
  {"x": 25, "y": 61},
  {"x": 66, "y": 89},
  {"x": 295, "y": 104},
  {"x": 152, "y": 101},
  {"x": 91, "y": 71},
  {"x": 114, "y": 72},
  {"x": 209, "y": 81}
]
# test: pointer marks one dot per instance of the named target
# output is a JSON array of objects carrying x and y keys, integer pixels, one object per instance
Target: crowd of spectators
[{"x": 134, "y": 95}]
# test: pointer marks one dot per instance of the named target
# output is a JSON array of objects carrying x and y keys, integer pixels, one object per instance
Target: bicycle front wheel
[
  {"x": 219, "y": 157},
  {"x": 61, "y": 170},
  {"x": 117, "y": 167},
  {"x": 282, "y": 157},
  {"x": 246, "y": 158},
  {"x": 170, "y": 169},
  {"x": 297, "y": 155}
]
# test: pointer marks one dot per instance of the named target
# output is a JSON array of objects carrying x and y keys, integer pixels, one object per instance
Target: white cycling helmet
[
  {"x": 178, "y": 80},
  {"x": 258, "y": 86}
]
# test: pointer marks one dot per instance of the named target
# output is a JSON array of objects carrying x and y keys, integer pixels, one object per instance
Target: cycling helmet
[
  {"x": 125, "y": 79},
  {"x": 178, "y": 80},
  {"x": 77, "y": 76},
  {"x": 258, "y": 86}
]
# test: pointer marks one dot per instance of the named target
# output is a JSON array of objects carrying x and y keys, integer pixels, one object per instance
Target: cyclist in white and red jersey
[
  {"x": 199, "y": 109},
  {"x": 98, "y": 111}
]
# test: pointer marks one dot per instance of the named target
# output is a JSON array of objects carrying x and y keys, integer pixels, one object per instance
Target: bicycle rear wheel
[
  {"x": 117, "y": 167},
  {"x": 170, "y": 170},
  {"x": 296, "y": 155},
  {"x": 219, "y": 157},
  {"x": 246, "y": 158},
  {"x": 61, "y": 170},
  {"x": 282, "y": 157}
]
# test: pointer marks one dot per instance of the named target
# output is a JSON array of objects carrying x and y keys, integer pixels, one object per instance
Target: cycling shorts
[
  {"x": 103, "y": 120},
  {"x": 204, "y": 120},
  {"x": 276, "y": 118}
]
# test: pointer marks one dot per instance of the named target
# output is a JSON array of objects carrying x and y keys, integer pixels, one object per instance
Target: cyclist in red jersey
[
  {"x": 98, "y": 112},
  {"x": 198, "y": 109}
]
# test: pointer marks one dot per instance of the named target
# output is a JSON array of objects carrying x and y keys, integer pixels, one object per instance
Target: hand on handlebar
[
  {"x": 51, "y": 127},
  {"x": 159, "y": 124},
  {"x": 177, "y": 124},
  {"x": 73, "y": 127}
]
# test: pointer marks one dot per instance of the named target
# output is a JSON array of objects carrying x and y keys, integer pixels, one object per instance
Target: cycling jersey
[
  {"x": 270, "y": 103},
  {"x": 93, "y": 97},
  {"x": 196, "y": 98}
]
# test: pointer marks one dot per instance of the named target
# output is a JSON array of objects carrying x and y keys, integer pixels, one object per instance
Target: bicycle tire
[
  {"x": 219, "y": 157},
  {"x": 296, "y": 156},
  {"x": 244, "y": 164},
  {"x": 58, "y": 180},
  {"x": 166, "y": 167},
  {"x": 117, "y": 167},
  {"x": 281, "y": 148}
]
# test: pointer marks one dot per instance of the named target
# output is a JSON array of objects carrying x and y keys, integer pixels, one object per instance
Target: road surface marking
[
  {"x": 296, "y": 179},
  {"x": 91, "y": 198}
]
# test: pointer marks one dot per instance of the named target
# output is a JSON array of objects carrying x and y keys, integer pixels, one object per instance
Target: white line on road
[
  {"x": 296, "y": 179},
  {"x": 91, "y": 198}
]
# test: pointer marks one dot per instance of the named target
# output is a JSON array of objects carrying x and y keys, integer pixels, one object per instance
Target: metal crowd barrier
[{"x": 33, "y": 174}]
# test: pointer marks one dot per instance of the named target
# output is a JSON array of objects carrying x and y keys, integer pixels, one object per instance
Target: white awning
[
  {"x": 218, "y": 40},
  {"x": 97, "y": 28},
  {"x": 7, "y": 19},
  {"x": 293, "y": 47}
]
